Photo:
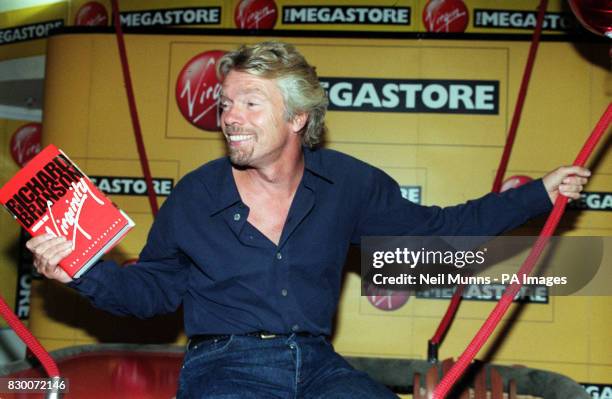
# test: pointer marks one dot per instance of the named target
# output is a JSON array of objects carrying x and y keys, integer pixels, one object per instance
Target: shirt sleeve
[
  {"x": 154, "y": 285},
  {"x": 385, "y": 212}
]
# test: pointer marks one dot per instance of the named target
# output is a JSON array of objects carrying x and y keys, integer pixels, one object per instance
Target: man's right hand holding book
[{"x": 48, "y": 252}]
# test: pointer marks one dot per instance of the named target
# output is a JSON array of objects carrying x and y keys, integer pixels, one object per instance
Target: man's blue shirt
[{"x": 203, "y": 253}]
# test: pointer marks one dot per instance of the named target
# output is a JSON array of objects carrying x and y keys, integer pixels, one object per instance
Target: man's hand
[
  {"x": 567, "y": 181},
  {"x": 48, "y": 252}
]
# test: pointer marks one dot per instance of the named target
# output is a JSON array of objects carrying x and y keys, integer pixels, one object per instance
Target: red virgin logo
[
  {"x": 386, "y": 299},
  {"x": 256, "y": 14},
  {"x": 91, "y": 14},
  {"x": 514, "y": 182},
  {"x": 25, "y": 143},
  {"x": 197, "y": 91},
  {"x": 445, "y": 16},
  {"x": 129, "y": 262}
]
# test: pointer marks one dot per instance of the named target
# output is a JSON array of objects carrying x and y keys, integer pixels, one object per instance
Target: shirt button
[
  {"x": 284, "y": 292},
  {"x": 295, "y": 328},
  {"x": 279, "y": 256},
  {"x": 236, "y": 216}
]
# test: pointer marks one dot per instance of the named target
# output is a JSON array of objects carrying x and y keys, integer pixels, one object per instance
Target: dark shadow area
[
  {"x": 9, "y": 351},
  {"x": 351, "y": 265},
  {"x": 595, "y": 53},
  {"x": 67, "y": 306},
  {"x": 600, "y": 153},
  {"x": 64, "y": 305}
]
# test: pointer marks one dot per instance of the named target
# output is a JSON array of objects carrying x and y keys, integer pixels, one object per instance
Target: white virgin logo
[{"x": 70, "y": 220}]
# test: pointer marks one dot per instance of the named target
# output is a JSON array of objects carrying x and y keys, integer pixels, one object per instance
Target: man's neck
[{"x": 280, "y": 177}]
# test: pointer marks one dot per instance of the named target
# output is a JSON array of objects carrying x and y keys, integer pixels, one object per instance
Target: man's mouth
[{"x": 237, "y": 138}]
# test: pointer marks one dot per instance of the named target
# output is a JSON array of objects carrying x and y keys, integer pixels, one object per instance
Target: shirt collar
[
  {"x": 225, "y": 193},
  {"x": 314, "y": 164}
]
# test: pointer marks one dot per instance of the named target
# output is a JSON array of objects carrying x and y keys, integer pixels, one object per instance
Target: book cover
[{"x": 52, "y": 195}]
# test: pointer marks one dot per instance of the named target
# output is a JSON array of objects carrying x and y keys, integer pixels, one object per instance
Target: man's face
[{"x": 252, "y": 119}]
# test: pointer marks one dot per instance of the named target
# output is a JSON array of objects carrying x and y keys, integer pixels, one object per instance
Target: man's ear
[{"x": 298, "y": 122}]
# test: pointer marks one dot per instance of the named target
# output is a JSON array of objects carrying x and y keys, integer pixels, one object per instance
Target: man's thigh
[
  {"x": 326, "y": 374},
  {"x": 348, "y": 384},
  {"x": 245, "y": 368},
  {"x": 242, "y": 368}
]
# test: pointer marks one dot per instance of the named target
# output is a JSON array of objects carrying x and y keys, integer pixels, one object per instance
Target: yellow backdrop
[{"x": 450, "y": 156}]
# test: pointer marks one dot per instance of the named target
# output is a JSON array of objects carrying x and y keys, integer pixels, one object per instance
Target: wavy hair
[{"x": 296, "y": 79}]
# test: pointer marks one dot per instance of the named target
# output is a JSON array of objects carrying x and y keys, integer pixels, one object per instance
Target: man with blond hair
[{"x": 253, "y": 244}]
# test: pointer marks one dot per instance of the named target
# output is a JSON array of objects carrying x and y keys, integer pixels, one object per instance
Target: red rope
[
  {"x": 503, "y": 163},
  {"x": 520, "y": 101},
  {"x": 448, "y": 316},
  {"x": 26, "y": 336},
  {"x": 144, "y": 162},
  {"x": 506, "y": 300}
]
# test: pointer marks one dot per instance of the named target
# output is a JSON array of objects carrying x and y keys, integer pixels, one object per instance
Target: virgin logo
[
  {"x": 514, "y": 182},
  {"x": 69, "y": 223},
  {"x": 91, "y": 14},
  {"x": 445, "y": 16},
  {"x": 386, "y": 299},
  {"x": 256, "y": 14},
  {"x": 197, "y": 91},
  {"x": 25, "y": 143},
  {"x": 129, "y": 262}
]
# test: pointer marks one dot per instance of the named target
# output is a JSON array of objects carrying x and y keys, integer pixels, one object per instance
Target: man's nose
[{"x": 231, "y": 115}]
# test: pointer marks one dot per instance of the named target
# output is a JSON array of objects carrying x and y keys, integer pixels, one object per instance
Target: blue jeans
[{"x": 244, "y": 367}]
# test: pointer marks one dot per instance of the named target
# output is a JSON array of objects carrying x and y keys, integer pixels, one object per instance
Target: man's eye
[{"x": 251, "y": 104}]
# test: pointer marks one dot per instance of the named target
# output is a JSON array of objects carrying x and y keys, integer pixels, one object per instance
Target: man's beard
[{"x": 239, "y": 156}]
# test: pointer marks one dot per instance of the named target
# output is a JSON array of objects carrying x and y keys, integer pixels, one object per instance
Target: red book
[{"x": 51, "y": 195}]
